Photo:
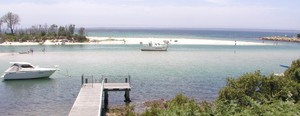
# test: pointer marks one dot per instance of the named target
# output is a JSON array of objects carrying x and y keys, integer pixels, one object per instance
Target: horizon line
[{"x": 198, "y": 28}]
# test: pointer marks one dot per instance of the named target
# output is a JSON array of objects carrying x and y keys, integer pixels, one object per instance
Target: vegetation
[
  {"x": 298, "y": 35},
  {"x": 1, "y": 22},
  {"x": 38, "y": 33},
  {"x": 179, "y": 106},
  {"x": 261, "y": 89},
  {"x": 11, "y": 20},
  {"x": 250, "y": 94},
  {"x": 293, "y": 71}
]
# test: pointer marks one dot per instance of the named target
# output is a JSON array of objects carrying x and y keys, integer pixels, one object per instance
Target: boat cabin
[{"x": 19, "y": 65}]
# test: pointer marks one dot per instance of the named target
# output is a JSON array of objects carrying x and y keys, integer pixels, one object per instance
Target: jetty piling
[{"x": 90, "y": 97}]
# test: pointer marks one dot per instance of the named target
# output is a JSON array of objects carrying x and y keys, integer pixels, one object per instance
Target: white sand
[
  {"x": 180, "y": 41},
  {"x": 174, "y": 41}
]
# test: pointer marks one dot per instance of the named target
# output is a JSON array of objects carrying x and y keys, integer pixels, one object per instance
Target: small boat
[
  {"x": 25, "y": 70},
  {"x": 284, "y": 66},
  {"x": 27, "y": 52},
  {"x": 155, "y": 47}
]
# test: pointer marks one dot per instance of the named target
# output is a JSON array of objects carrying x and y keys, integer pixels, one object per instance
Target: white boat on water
[
  {"x": 25, "y": 70},
  {"x": 155, "y": 47}
]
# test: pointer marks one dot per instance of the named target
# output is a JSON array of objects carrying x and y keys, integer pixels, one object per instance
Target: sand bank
[
  {"x": 174, "y": 41},
  {"x": 119, "y": 40},
  {"x": 282, "y": 38}
]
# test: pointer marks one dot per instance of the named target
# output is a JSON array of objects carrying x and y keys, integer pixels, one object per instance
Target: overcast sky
[{"x": 253, "y": 14}]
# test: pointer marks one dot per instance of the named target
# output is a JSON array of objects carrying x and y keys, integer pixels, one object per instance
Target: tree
[
  {"x": 81, "y": 37},
  {"x": 53, "y": 30},
  {"x": 71, "y": 29},
  {"x": 11, "y": 20},
  {"x": 298, "y": 35},
  {"x": 44, "y": 30},
  {"x": 61, "y": 31},
  {"x": 81, "y": 31},
  {"x": 1, "y": 22}
]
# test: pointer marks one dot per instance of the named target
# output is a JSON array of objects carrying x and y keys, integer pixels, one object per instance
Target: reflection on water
[{"x": 37, "y": 96}]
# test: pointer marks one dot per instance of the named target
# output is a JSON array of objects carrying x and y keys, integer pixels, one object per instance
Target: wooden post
[
  {"x": 105, "y": 99},
  {"x": 86, "y": 80},
  {"x": 105, "y": 80},
  {"x": 81, "y": 79},
  {"x": 129, "y": 78},
  {"x": 126, "y": 80},
  {"x": 126, "y": 95}
]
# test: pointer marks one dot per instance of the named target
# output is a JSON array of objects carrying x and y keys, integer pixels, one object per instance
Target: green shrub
[
  {"x": 294, "y": 71},
  {"x": 179, "y": 106},
  {"x": 260, "y": 88},
  {"x": 238, "y": 89},
  {"x": 250, "y": 94},
  {"x": 10, "y": 38},
  {"x": 276, "y": 108}
]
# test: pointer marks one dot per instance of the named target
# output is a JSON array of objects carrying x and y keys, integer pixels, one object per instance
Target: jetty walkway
[{"x": 89, "y": 101}]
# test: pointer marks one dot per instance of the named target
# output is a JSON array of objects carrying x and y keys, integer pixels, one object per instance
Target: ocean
[{"x": 197, "y": 71}]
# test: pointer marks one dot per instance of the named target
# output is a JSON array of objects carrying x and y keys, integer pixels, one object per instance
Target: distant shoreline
[
  {"x": 282, "y": 38},
  {"x": 136, "y": 41}
]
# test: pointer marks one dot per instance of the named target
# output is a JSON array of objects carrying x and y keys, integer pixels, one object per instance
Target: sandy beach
[
  {"x": 175, "y": 41},
  {"x": 172, "y": 41}
]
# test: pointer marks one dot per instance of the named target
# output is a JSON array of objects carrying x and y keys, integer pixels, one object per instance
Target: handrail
[
  {"x": 101, "y": 94},
  {"x": 114, "y": 75}
]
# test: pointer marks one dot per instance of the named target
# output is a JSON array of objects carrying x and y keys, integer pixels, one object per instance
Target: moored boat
[
  {"x": 27, "y": 52},
  {"x": 155, "y": 47},
  {"x": 25, "y": 70}
]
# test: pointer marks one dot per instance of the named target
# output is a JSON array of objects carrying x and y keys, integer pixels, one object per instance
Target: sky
[{"x": 245, "y": 14}]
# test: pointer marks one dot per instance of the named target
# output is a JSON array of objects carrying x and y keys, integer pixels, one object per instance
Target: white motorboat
[
  {"x": 25, "y": 70},
  {"x": 155, "y": 47}
]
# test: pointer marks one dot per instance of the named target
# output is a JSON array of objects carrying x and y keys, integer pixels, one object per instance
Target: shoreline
[
  {"x": 136, "y": 41},
  {"x": 281, "y": 38}
]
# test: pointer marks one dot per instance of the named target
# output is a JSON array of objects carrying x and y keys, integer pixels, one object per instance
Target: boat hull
[
  {"x": 27, "y": 74},
  {"x": 154, "y": 49}
]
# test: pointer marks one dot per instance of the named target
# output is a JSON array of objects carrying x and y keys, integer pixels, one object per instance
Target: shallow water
[{"x": 196, "y": 71}]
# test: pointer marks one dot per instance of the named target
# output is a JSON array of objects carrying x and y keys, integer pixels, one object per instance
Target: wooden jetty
[
  {"x": 90, "y": 98},
  {"x": 88, "y": 101}
]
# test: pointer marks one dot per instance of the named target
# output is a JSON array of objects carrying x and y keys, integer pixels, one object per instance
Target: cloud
[{"x": 92, "y": 14}]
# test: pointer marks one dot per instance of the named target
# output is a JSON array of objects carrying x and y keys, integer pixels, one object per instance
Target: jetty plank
[
  {"x": 88, "y": 100},
  {"x": 116, "y": 86}
]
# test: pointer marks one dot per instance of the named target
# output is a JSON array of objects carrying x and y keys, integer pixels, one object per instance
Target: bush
[
  {"x": 127, "y": 110},
  {"x": 10, "y": 38},
  {"x": 238, "y": 89},
  {"x": 294, "y": 71},
  {"x": 183, "y": 106},
  {"x": 78, "y": 38},
  {"x": 179, "y": 106},
  {"x": 250, "y": 94},
  {"x": 276, "y": 108},
  {"x": 260, "y": 88}
]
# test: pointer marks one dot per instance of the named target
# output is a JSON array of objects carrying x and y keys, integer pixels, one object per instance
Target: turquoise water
[
  {"x": 198, "y": 71},
  {"x": 224, "y": 34}
]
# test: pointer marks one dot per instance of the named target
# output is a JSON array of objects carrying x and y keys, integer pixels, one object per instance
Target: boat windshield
[
  {"x": 13, "y": 68},
  {"x": 26, "y": 66}
]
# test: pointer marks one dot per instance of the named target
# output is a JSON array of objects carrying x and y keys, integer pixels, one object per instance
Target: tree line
[{"x": 37, "y": 33}]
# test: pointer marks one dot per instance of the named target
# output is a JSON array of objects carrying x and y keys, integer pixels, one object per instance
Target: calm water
[{"x": 198, "y": 71}]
